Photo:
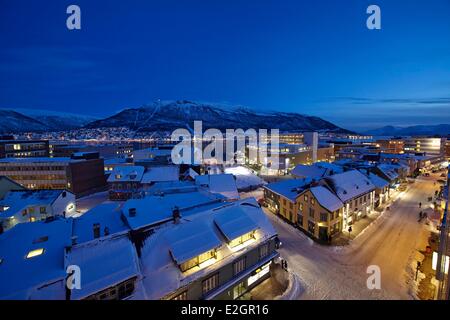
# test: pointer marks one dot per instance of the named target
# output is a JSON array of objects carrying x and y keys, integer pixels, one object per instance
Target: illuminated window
[
  {"x": 35, "y": 253},
  {"x": 198, "y": 260},
  {"x": 242, "y": 239}
]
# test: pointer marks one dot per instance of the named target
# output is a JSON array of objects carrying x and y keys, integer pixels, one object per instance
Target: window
[
  {"x": 323, "y": 217},
  {"x": 311, "y": 212},
  {"x": 198, "y": 260},
  {"x": 35, "y": 253},
  {"x": 306, "y": 198},
  {"x": 312, "y": 201},
  {"x": 311, "y": 227},
  {"x": 239, "y": 266},
  {"x": 181, "y": 296},
  {"x": 263, "y": 251},
  {"x": 43, "y": 210},
  {"x": 291, "y": 206},
  {"x": 242, "y": 239},
  {"x": 301, "y": 207},
  {"x": 210, "y": 283},
  {"x": 117, "y": 292},
  {"x": 300, "y": 219}
]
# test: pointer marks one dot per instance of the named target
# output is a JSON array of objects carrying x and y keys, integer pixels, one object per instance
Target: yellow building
[{"x": 311, "y": 207}]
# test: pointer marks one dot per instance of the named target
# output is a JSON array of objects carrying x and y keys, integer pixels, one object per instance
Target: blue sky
[{"x": 313, "y": 57}]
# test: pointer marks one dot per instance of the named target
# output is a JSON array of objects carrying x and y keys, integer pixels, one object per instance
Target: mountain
[
  {"x": 27, "y": 120},
  {"x": 428, "y": 130},
  {"x": 12, "y": 121},
  {"x": 55, "y": 120},
  {"x": 168, "y": 116}
]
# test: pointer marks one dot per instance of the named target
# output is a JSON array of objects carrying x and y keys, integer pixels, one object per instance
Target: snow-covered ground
[{"x": 391, "y": 243}]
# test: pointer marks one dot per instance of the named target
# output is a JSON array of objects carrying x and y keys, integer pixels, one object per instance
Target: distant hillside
[
  {"x": 27, "y": 120},
  {"x": 441, "y": 130},
  {"x": 181, "y": 114},
  {"x": 11, "y": 121}
]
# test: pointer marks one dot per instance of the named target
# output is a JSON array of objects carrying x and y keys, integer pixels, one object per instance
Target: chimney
[
  {"x": 132, "y": 212},
  {"x": 176, "y": 215},
  {"x": 96, "y": 229},
  {"x": 74, "y": 240}
]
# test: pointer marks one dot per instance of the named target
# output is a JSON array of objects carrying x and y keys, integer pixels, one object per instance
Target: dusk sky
[{"x": 312, "y": 57}]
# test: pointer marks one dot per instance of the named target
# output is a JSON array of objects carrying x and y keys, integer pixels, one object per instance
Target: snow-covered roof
[
  {"x": 107, "y": 215},
  {"x": 378, "y": 181},
  {"x": 234, "y": 222},
  {"x": 18, "y": 200},
  {"x": 350, "y": 184},
  {"x": 127, "y": 174},
  {"x": 103, "y": 263},
  {"x": 21, "y": 277},
  {"x": 332, "y": 167},
  {"x": 389, "y": 171},
  {"x": 188, "y": 242},
  {"x": 223, "y": 184},
  {"x": 160, "y": 174},
  {"x": 289, "y": 189},
  {"x": 308, "y": 171},
  {"x": 326, "y": 198},
  {"x": 172, "y": 187},
  {"x": 157, "y": 209},
  {"x": 162, "y": 276}
]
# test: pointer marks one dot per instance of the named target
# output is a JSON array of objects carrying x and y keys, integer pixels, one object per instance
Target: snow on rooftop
[
  {"x": 107, "y": 215},
  {"x": 289, "y": 189},
  {"x": 245, "y": 178},
  {"x": 326, "y": 198},
  {"x": 18, "y": 200},
  {"x": 223, "y": 184},
  {"x": 103, "y": 263},
  {"x": 350, "y": 184},
  {"x": 187, "y": 243},
  {"x": 308, "y": 171},
  {"x": 161, "y": 174},
  {"x": 126, "y": 174},
  {"x": 21, "y": 277},
  {"x": 161, "y": 275},
  {"x": 378, "y": 181},
  {"x": 389, "y": 171},
  {"x": 156, "y": 209},
  {"x": 234, "y": 222}
]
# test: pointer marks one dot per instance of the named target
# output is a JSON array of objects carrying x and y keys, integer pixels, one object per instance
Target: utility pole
[{"x": 443, "y": 290}]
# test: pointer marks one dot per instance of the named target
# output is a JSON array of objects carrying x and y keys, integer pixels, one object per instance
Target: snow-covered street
[{"x": 341, "y": 272}]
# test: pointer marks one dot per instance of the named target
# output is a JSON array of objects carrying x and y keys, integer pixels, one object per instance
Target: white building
[{"x": 35, "y": 205}]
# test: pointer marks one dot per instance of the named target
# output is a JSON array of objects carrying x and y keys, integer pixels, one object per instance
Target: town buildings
[
  {"x": 180, "y": 245},
  {"x": 35, "y": 205},
  {"x": 81, "y": 174}
]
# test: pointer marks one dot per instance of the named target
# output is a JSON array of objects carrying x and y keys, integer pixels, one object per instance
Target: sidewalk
[{"x": 358, "y": 227}]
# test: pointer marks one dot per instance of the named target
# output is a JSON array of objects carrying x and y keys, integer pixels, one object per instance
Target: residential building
[
  {"x": 24, "y": 148},
  {"x": 125, "y": 182},
  {"x": 7, "y": 185},
  {"x": 81, "y": 174},
  {"x": 355, "y": 191},
  {"x": 35, "y": 205}
]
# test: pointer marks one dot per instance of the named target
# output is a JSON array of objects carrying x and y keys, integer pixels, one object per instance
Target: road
[{"x": 391, "y": 243}]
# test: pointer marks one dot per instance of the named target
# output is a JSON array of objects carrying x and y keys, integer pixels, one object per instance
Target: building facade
[
  {"x": 78, "y": 175},
  {"x": 24, "y": 148}
]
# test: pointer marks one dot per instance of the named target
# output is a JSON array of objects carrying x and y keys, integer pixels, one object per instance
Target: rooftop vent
[
  {"x": 96, "y": 230},
  {"x": 176, "y": 215}
]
